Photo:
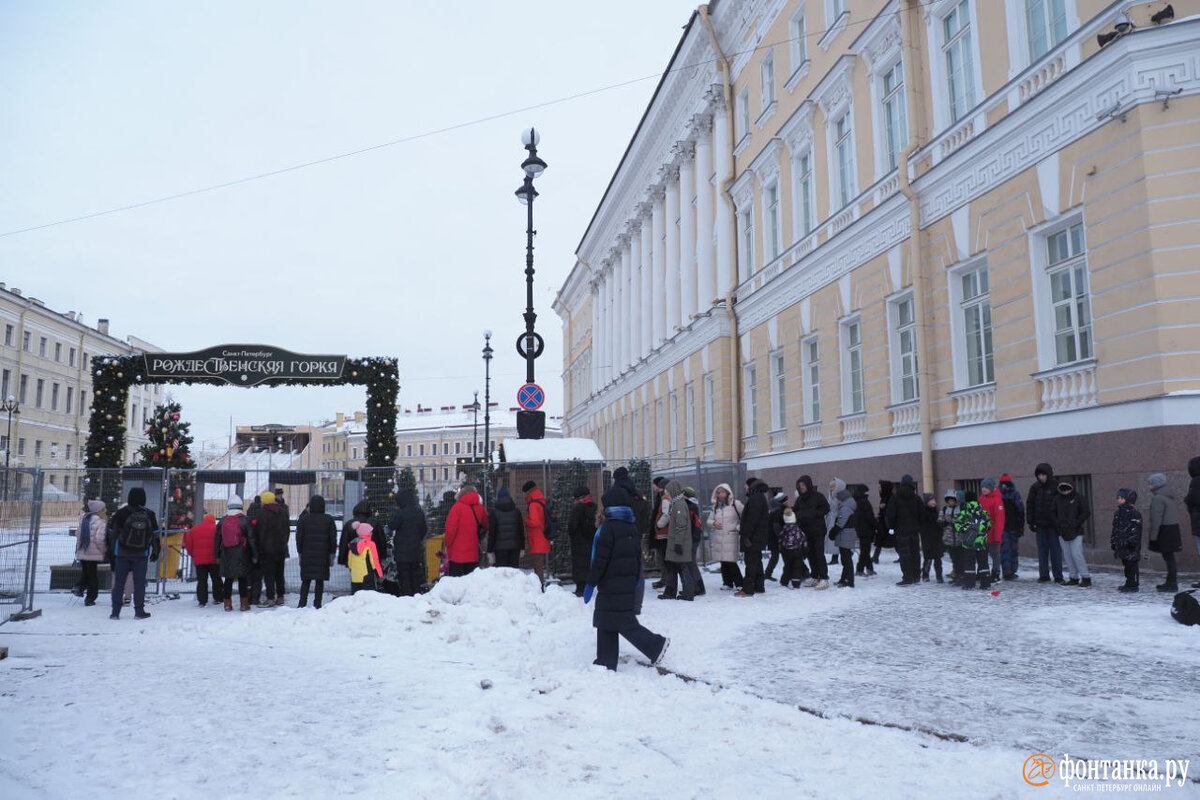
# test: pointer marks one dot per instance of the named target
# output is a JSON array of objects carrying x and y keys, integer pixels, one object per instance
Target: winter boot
[
  {"x": 245, "y": 603},
  {"x": 1072, "y": 582},
  {"x": 985, "y": 581},
  {"x": 1169, "y": 586},
  {"x": 229, "y": 604},
  {"x": 1085, "y": 582},
  {"x": 968, "y": 580}
]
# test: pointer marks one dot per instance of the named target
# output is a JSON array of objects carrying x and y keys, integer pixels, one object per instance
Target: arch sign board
[{"x": 244, "y": 365}]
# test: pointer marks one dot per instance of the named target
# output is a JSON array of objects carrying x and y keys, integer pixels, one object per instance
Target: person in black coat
[
  {"x": 269, "y": 534},
  {"x": 615, "y": 576},
  {"x": 931, "y": 539},
  {"x": 409, "y": 528},
  {"x": 904, "y": 514},
  {"x": 777, "y": 502},
  {"x": 581, "y": 529},
  {"x": 812, "y": 508},
  {"x": 864, "y": 526},
  {"x": 506, "y": 530},
  {"x": 1041, "y": 503},
  {"x": 883, "y": 536},
  {"x": 1192, "y": 502},
  {"x": 756, "y": 529},
  {"x": 316, "y": 542}
]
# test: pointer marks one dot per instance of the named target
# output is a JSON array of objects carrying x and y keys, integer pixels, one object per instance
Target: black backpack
[
  {"x": 551, "y": 531},
  {"x": 136, "y": 533},
  {"x": 1186, "y": 608}
]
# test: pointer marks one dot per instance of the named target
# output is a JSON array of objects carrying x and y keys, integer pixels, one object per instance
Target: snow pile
[
  {"x": 482, "y": 688},
  {"x": 536, "y": 451}
]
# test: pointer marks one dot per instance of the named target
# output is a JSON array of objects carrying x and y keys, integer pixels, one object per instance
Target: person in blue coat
[{"x": 615, "y": 577}]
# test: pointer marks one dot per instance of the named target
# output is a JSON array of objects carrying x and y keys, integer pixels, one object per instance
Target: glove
[
  {"x": 833, "y": 532},
  {"x": 678, "y": 549},
  {"x": 588, "y": 591}
]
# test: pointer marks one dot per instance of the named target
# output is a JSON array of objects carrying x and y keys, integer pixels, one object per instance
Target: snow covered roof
[{"x": 527, "y": 451}]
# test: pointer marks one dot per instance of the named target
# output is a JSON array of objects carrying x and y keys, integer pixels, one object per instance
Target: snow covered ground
[{"x": 375, "y": 696}]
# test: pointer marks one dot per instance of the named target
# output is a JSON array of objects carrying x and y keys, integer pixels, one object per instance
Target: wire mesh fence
[{"x": 38, "y": 524}]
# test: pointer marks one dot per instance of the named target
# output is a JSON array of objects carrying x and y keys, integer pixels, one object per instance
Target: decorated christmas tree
[
  {"x": 562, "y": 497},
  {"x": 406, "y": 480},
  {"x": 170, "y": 448}
]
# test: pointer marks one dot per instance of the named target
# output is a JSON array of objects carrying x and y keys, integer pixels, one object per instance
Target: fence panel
[{"x": 20, "y": 513}]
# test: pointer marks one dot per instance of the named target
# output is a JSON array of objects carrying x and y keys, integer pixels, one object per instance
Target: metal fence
[{"x": 38, "y": 520}]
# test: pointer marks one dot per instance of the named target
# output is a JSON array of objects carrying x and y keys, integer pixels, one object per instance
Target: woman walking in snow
[{"x": 90, "y": 549}]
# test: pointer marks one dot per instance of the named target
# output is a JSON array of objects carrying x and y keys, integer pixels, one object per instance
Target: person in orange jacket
[
  {"x": 465, "y": 523},
  {"x": 993, "y": 503},
  {"x": 536, "y": 543},
  {"x": 201, "y": 544}
]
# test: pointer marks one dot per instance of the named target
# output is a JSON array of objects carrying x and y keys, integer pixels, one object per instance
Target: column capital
[
  {"x": 700, "y": 125},
  {"x": 657, "y": 192},
  {"x": 683, "y": 151},
  {"x": 668, "y": 173},
  {"x": 714, "y": 99},
  {"x": 622, "y": 240},
  {"x": 633, "y": 227}
]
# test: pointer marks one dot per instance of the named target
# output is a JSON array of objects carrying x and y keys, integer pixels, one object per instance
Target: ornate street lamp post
[
  {"x": 12, "y": 407},
  {"x": 530, "y": 424}
]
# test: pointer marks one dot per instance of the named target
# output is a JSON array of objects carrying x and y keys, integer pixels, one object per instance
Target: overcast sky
[{"x": 410, "y": 250}]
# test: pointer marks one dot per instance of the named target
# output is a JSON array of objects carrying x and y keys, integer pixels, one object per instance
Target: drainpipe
[
  {"x": 914, "y": 81},
  {"x": 726, "y": 181}
]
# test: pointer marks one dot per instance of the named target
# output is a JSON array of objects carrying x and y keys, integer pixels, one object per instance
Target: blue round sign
[{"x": 531, "y": 397}]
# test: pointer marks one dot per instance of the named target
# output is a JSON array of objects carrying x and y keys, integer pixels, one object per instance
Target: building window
[
  {"x": 976, "y": 310},
  {"x": 54, "y": 397},
  {"x": 421, "y": 473},
  {"x": 68, "y": 456},
  {"x": 445, "y": 448},
  {"x": 1047, "y": 25},
  {"x": 26, "y": 339},
  {"x": 37, "y": 451},
  {"x": 746, "y": 224},
  {"x": 852, "y": 368},
  {"x": 8, "y": 335},
  {"x": 23, "y": 391},
  {"x": 1069, "y": 297},
  {"x": 21, "y": 446},
  {"x": 674, "y": 400},
  {"x": 39, "y": 393},
  {"x": 659, "y": 426},
  {"x": 58, "y": 351},
  {"x": 836, "y": 9},
  {"x": 960, "y": 68},
  {"x": 806, "y": 206},
  {"x": 774, "y": 240},
  {"x": 42, "y": 347},
  {"x": 895, "y": 119},
  {"x": 904, "y": 350},
  {"x": 689, "y": 415},
  {"x": 766, "y": 74},
  {"x": 133, "y": 416},
  {"x": 445, "y": 473},
  {"x": 709, "y": 403},
  {"x": 421, "y": 449},
  {"x": 743, "y": 113},
  {"x": 751, "y": 413},
  {"x": 71, "y": 357},
  {"x": 458, "y": 448},
  {"x": 408, "y": 450},
  {"x": 844, "y": 155},
  {"x": 5, "y": 384},
  {"x": 778, "y": 393},
  {"x": 812, "y": 380},
  {"x": 799, "y": 40}
]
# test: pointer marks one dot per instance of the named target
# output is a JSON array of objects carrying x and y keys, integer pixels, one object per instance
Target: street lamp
[
  {"x": 12, "y": 407},
  {"x": 487, "y": 401},
  {"x": 475, "y": 428},
  {"x": 530, "y": 424}
]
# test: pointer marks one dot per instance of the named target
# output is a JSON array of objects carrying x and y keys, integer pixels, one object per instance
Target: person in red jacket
[
  {"x": 536, "y": 543},
  {"x": 993, "y": 503},
  {"x": 465, "y": 522},
  {"x": 201, "y": 544}
]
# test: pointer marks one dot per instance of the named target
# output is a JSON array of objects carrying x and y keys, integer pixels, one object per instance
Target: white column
[
  {"x": 594, "y": 378},
  {"x": 608, "y": 321},
  {"x": 634, "y": 306},
  {"x": 687, "y": 235},
  {"x": 673, "y": 272},
  {"x": 625, "y": 318},
  {"x": 657, "y": 309},
  {"x": 725, "y": 241},
  {"x": 704, "y": 220},
  {"x": 647, "y": 286}
]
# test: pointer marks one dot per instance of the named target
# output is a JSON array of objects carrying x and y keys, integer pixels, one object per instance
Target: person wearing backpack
[
  {"x": 1165, "y": 536},
  {"x": 724, "y": 525},
  {"x": 135, "y": 545},
  {"x": 234, "y": 553},
  {"x": 316, "y": 543},
  {"x": 464, "y": 524},
  {"x": 269, "y": 531},
  {"x": 362, "y": 558},
  {"x": 793, "y": 547},
  {"x": 581, "y": 530},
  {"x": 971, "y": 527},
  {"x": 537, "y": 533},
  {"x": 506, "y": 531},
  {"x": 201, "y": 544},
  {"x": 90, "y": 550},
  {"x": 1126, "y": 539}
]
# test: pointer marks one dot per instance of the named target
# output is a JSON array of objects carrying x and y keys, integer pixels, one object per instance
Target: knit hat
[
  {"x": 1006, "y": 478},
  {"x": 362, "y": 528},
  {"x": 789, "y": 516},
  {"x": 988, "y": 483},
  {"x": 267, "y": 498},
  {"x": 950, "y": 493},
  {"x": 581, "y": 491},
  {"x": 1157, "y": 480},
  {"x": 616, "y": 496},
  {"x": 503, "y": 493},
  {"x": 907, "y": 480},
  {"x": 235, "y": 502},
  {"x": 528, "y": 487},
  {"x": 209, "y": 518},
  {"x": 779, "y": 497},
  {"x": 620, "y": 473},
  {"x": 660, "y": 481},
  {"x": 95, "y": 506},
  {"x": 689, "y": 491},
  {"x": 1128, "y": 495},
  {"x": 961, "y": 496}
]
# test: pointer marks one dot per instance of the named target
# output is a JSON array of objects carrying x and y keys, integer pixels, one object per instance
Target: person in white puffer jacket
[
  {"x": 90, "y": 550},
  {"x": 725, "y": 524}
]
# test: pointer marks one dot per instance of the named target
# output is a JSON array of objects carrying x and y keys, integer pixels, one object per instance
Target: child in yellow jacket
[{"x": 363, "y": 558}]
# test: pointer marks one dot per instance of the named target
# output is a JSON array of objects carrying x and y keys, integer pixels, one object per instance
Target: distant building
[{"x": 45, "y": 367}]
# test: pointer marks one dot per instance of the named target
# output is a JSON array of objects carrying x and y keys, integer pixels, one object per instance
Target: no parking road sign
[{"x": 531, "y": 397}]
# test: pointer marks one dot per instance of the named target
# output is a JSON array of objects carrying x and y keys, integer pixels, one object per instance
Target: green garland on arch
[{"x": 113, "y": 375}]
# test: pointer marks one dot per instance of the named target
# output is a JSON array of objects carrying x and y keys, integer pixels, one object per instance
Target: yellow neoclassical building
[{"x": 952, "y": 238}]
